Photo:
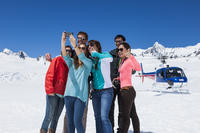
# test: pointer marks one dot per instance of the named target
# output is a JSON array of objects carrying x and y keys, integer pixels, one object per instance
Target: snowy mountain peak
[
  {"x": 21, "y": 54},
  {"x": 156, "y": 50},
  {"x": 157, "y": 45},
  {"x": 7, "y": 51}
]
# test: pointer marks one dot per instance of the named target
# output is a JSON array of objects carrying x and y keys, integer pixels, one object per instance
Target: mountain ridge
[{"x": 156, "y": 50}]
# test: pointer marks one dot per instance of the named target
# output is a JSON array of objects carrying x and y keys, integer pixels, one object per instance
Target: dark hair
[
  {"x": 76, "y": 60},
  {"x": 98, "y": 45},
  {"x": 67, "y": 46},
  {"x": 83, "y": 33},
  {"x": 125, "y": 44},
  {"x": 120, "y": 36},
  {"x": 86, "y": 50}
]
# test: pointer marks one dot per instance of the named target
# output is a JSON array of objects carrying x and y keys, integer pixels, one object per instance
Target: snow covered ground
[{"x": 22, "y": 100}]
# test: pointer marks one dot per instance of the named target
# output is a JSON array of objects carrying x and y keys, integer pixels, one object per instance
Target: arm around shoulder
[{"x": 101, "y": 55}]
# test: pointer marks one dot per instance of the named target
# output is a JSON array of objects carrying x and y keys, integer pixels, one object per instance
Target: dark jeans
[
  {"x": 74, "y": 109},
  {"x": 126, "y": 110},
  {"x": 101, "y": 101},
  {"x": 54, "y": 107}
]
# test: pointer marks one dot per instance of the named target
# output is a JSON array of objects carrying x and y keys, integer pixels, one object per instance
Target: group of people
[{"x": 83, "y": 71}]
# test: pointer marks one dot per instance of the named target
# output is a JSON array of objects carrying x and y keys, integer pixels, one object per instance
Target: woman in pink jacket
[{"x": 127, "y": 93}]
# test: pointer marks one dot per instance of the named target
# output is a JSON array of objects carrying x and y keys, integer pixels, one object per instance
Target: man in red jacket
[{"x": 55, "y": 83}]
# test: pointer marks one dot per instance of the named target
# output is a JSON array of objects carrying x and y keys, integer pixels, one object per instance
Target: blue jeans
[
  {"x": 54, "y": 107},
  {"x": 74, "y": 110},
  {"x": 101, "y": 101}
]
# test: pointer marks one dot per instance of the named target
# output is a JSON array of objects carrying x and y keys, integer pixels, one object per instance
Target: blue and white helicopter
[{"x": 169, "y": 77}]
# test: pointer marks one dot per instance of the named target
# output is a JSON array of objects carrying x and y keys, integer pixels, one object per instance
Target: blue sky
[{"x": 35, "y": 26}]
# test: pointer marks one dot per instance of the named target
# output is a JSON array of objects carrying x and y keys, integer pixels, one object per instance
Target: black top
[{"x": 114, "y": 64}]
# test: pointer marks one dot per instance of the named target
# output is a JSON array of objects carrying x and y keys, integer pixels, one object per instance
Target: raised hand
[
  {"x": 72, "y": 40},
  {"x": 63, "y": 41},
  {"x": 64, "y": 37},
  {"x": 48, "y": 57}
]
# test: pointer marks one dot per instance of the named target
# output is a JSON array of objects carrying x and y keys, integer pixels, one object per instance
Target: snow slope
[{"x": 22, "y": 100}]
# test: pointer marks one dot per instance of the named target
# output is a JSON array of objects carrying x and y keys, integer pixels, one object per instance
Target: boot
[
  {"x": 42, "y": 131},
  {"x": 119, "y": 130},
  {"x": 51, "y": 130}
]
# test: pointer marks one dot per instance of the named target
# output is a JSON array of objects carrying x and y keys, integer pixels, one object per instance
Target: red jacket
[{"x": 56, "y": 76}]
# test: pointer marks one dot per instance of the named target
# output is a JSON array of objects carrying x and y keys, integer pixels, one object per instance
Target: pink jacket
[{"x": 125, "y": 70}]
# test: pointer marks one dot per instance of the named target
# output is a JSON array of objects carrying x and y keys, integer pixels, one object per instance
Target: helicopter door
[{"x": 160, "y": 76}]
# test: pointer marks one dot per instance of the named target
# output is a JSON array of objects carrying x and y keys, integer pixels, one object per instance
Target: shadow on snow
[{"x": 130, "y": 131}]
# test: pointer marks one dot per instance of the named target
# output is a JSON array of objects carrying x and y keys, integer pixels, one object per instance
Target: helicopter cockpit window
[{"x": 170, "y": 73}]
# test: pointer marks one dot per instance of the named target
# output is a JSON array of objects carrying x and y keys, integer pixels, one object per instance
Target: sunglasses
[
  {"x": 83, "y": 48},
  {"x": 120, "y": 50},
  {"x": 81, "y": 38},
  {"x": 91, "y": 45},
  {"x": 68, "y": 51},
  {"x": 120, "y": 41}
]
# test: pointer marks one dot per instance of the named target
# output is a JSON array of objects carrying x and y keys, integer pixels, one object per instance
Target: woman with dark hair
[
  {"x": 127, "y": 93},
  {"x": 102, "y": 86},
  {"x": 76, "y": 93}
]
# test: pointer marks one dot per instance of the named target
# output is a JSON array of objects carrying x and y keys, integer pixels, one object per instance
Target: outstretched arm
[
  {"x": 101, "y": 55},
  {"x": 73, "y": 43},
  {"x": 63, "y": 50},
  {"x": 63, "y": 41}
]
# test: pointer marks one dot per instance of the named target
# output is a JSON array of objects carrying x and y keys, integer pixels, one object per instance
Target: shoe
[
  {"x": 51, "y": 130},
  {"x": 42, "y": 131}
]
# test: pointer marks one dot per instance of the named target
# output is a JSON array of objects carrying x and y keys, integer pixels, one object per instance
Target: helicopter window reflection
[
  {"x": 170, "y": 73},
  {"x": 160, "y": 74}
]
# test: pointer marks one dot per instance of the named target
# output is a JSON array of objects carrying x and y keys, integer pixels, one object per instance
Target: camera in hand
[
  {"x": 116, "y": 84},
  {"x": 68, "y": 34}
]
